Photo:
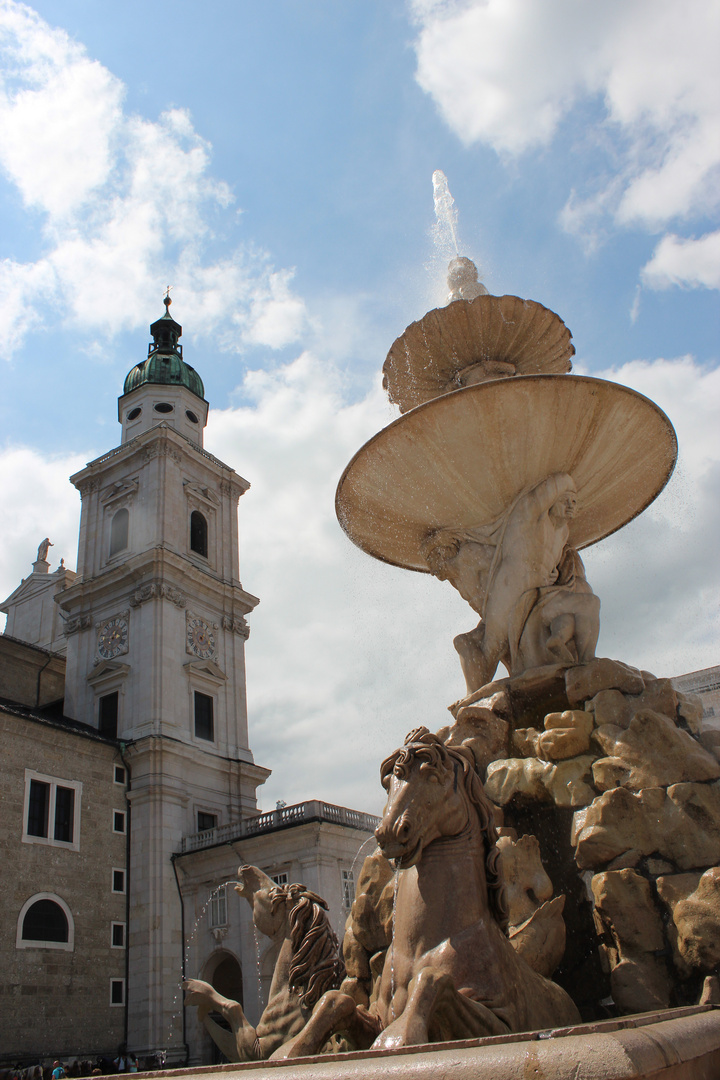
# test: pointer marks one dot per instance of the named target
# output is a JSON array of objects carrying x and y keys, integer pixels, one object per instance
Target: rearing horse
[
  {"x": 307, "y": 965},
  {"x": 450, "y": 971}
]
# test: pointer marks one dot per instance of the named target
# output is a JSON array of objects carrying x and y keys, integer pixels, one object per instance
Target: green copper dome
[{"x": 165, "y": 364}]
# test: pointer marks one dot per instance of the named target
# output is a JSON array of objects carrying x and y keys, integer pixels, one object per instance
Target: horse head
[
  {"x": 434, "y": 791},
  {"x": 259, "y": 890},
  {"x": 301, "y": 914}
]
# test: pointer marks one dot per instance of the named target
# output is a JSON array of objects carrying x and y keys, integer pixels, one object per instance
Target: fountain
[{"x": 565, "y": 824}]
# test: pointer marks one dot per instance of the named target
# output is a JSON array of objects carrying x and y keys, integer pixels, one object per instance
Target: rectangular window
[
  {"x": 117, "y": 935},
  {"x": 108, "y": 714},
  {"x": 38, "y": 808},
  {"x": 119, "y": 821},
  {"x": 348, "y": 888},
  {"x": 64, "y": 814},
  {"x": 119, "y": 775},
  {"x": 204, "y": 726},
  {"x": 206, "y": 821},
  {"x": 218, "y": 907},
  {"x": 117, "y": 991},
  {"x": 118, "y": 881},
  {"x": 52, "y": 811},
  {"x": 279, "y": 879}
]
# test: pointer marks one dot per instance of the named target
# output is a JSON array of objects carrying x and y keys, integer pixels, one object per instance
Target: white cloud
[
  {"x": 677, "y": 261},
  {"x": 659, "y": 577},
  {"x": 507, "y": 72},
  {"x": 347, "y": 654},
  {"x": 39, "y": 501},
  {"x": 127, "y": 203}
]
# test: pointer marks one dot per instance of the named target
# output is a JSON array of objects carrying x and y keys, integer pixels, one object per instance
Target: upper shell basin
[{"x": 472, "y": 341}]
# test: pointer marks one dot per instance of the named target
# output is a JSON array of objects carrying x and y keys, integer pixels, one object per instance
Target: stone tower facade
[{"x": 156, "y": 630}]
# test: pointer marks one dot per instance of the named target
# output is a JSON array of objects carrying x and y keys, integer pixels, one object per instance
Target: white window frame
[
  {"x": 118, "y": 870},
  {"x": 206, "y": 810},
  {"x": 54, "y": 783},
  {"x": 196, "y": 499},
  {"x": 347, "y": 877},
  {"x": 280, "y": 874},
  {"x": 109, "y": 677},
  {"x": 112, "y": 502},
  {"x": 217, "y": 908},
  {"x": 123, "y": 831},
  {"x": 64, "y": 946},
  {"x": 211, "y": 693},
  {"x": 117, "y": 1004},
  {"x": 113, "y": 924}
]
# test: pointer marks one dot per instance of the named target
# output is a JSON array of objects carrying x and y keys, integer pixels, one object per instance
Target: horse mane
[
  {"x": 421, "y": 742},
  {"x": 316, "y": 964}
]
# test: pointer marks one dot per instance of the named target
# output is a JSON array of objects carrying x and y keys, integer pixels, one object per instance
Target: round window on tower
[
  {"x": 163, "y": 407},
  {"x": 191, "y": 417},
  {"x": 133, "y": 414}
]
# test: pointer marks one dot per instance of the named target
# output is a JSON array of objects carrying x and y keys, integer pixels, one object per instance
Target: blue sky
[{"x": 273, "y": 163}]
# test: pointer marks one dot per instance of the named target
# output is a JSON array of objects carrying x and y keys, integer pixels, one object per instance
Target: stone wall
[
  {"x": 56, "y": 1002},
  {"x": 29, "y": 675}
]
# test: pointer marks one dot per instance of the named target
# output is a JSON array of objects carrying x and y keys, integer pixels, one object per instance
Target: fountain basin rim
[{"x": 588, "y": 383}]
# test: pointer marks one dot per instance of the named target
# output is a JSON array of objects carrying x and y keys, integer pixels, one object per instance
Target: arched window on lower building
[
  {"x": 198, "y": 533},
  {"x": 45, "y": 922},
  {"x": 119, "y": 531}
]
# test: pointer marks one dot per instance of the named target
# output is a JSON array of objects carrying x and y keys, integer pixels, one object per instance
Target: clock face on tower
[
  {"x": 200, "y": 638},
  {"x": 113, "y": 638}
]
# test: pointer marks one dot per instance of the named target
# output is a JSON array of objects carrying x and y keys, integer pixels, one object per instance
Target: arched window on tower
[
  {"x": 198, "y": 533},
  {"x": 119, "y": 531}
]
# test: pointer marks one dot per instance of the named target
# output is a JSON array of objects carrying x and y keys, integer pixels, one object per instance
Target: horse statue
[
  {"x": 450, "y": 971},
  {"x": 307, "y": 966}
]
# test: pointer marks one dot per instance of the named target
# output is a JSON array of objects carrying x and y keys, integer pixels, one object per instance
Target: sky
[{"x": 273, "y": 163}]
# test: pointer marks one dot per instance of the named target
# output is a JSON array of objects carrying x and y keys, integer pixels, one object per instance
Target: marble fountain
[{"x": 544, "y": 900}]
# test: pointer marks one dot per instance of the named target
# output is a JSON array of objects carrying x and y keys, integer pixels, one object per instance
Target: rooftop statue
[{"x": 42, "y": 551}]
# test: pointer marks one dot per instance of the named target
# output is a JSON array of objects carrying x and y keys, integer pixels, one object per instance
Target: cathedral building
[{"x": 128, "y": 787}]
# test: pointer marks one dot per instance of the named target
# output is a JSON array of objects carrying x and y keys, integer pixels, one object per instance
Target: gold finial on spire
[{"x": 167, "y": 301}]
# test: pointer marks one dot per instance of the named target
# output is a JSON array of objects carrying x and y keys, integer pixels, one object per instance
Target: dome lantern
[{"x": 164, "y": 364}]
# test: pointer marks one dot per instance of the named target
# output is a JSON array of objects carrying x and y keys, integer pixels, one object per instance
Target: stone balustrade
[{"x": 282, "y": 818}]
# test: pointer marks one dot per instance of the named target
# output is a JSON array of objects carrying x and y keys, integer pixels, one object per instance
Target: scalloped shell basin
[
  {"x": 423, "y": 361},
  {"x": 459, "y": 460}
]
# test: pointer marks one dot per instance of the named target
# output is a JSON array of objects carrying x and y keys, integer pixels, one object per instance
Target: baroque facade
[{"x": 129, "y": 787}]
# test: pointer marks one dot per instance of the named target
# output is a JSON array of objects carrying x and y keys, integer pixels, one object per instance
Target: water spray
[{"x": 445, "y": 212}]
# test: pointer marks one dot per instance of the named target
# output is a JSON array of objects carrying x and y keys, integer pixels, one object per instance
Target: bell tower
[{"x": 156, "y": 629}]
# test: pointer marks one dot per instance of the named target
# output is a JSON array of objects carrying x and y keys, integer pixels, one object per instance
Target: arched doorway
[
  {"x": 223, "y": 971},
  {"x": 227, "y": 978}
]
